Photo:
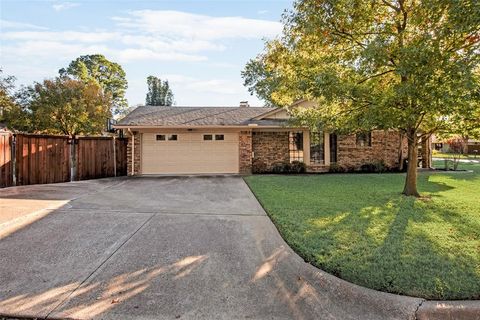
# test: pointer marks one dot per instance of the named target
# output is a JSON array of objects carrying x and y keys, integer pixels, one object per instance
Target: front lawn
[
  {"x": 437, "y": 154},
  {"x": 361, "y": 229}
]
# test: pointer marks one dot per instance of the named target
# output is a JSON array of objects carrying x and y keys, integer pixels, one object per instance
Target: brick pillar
[
  {"x": 245, "y": 152},
  {"x": 136, "y": 147}
]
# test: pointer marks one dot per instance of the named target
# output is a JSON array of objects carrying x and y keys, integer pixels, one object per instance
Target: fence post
[
  {"x": 114, "y": 157},
  {"x": 14, "y": 159},
  {"x": 73, "y": 158}
]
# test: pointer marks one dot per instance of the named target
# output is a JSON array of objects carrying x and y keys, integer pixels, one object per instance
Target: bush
[
  {"x": 280, "y": 167},
  {"x": 288, "y": 168},
  {"x": 335, "y": 168},
  {"x": 259, "y": 167},
  {"x": 375, "y": 166},
  {"x": 297, "y": 167}
]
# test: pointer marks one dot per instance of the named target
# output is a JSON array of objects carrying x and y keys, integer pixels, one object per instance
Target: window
[
  {"x": 169, "y": 137},
  {"x": 296, "y": 146},
  {"x": 333, "y": 147},
  {"x": 317, "y": 147},
  {"x": 211, "y": 137},
  {"x": 364, "y": 139}
]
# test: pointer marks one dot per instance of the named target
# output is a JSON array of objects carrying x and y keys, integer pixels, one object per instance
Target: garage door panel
[{"x": 190, "y": 154}]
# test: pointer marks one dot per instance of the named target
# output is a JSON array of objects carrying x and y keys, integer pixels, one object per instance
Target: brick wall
[
  {"x": 137, "y": 148},
  {"x": 245, "y": 152},
  {"x": 269, "y": 148},
  {"x": 385, "y": 146}
]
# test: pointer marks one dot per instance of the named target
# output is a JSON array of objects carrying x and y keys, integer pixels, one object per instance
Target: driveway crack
[
  {"x": 100, "y": 265},
  {"x": 418, "y": 308}
]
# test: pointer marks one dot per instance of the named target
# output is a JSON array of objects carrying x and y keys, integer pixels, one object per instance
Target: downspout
[{"x": 133, "y": 151}]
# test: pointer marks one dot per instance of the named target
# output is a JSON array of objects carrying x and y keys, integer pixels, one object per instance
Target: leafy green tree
[
  {"x": 109, "y": 75},
  {"x": 61, "y": 106},
  {"x": 381, "y": 64},
  {"x": 159, "y": 92},
  {"x": 6, "y": 95}
]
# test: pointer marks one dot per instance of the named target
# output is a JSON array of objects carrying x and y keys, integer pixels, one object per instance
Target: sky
[{"x": 199, "y": 46}]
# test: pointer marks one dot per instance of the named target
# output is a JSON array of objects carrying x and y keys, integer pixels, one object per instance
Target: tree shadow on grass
[
  {"x": 392, "y": 249},
  {"x": 364, "y": 231},
  {"x": 398, "y": 244}
]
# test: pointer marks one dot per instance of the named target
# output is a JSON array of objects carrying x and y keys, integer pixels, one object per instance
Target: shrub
[
  {"x": 259, "y": 167},
  {"x": 297, "y": 167},
  {"x": 280, "y": 167},
  {"x": 375, "y": 166},
  {"x": 335, "y": 168},
  {"x": 367, "y": 167},
  {"x": 288, "y": 168}
]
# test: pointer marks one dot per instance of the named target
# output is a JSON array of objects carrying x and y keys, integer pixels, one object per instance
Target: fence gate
[
  {"x": 36, "y": 159},
  {"x": 41, "y": 159}
]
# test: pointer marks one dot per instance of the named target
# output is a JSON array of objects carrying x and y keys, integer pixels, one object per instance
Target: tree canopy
[
  {"x": 381, "y": 64},
  {"x": 60, "y": 106},
  {"x": 159, "y": 92},
  {"x": 6, "y": 100},
  {"x": 109, "y": 75}
]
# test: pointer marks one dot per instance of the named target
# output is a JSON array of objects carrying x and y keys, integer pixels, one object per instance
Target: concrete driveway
[{"x": 163, "y": 248}]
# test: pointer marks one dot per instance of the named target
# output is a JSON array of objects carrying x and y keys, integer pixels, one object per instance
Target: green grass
[
  {"x": 361, "y": 229},
  {"x": 437, "y": 154}
]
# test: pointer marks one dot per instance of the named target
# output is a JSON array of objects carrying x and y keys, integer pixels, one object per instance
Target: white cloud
[
  {"x": 49, "y": 49},
  {"x": 191, "y": 84},
  {"x": 147, "y": 54},
  {"x": 63, "y": 36},
  {"x": 61, "y": 6},
  {"x": 185, "y": 25},
  {"x": 6, "y": 24},
  {"x": 141, "y": 35},
  {"x": 160, "y": 43},
  {"x": 262, "y": 12}
]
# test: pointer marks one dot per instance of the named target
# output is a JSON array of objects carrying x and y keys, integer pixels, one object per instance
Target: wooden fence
[
  {"x": 41, "y": 159},
  {"x": 33, "y": 159},
  {"x": 99, "y": 157},
  {"x": 6, "y": 173}
]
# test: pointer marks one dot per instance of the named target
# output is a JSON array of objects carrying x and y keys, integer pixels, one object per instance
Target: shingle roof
[{"x": 192, "y": 116}]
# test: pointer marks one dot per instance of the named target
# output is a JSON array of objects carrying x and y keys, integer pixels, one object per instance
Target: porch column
[
  {"x": 326, "y": 145},
  {"x": 306, "y": 147}
]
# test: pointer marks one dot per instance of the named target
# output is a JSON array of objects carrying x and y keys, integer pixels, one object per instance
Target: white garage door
[{"x": 189, "y": 152}]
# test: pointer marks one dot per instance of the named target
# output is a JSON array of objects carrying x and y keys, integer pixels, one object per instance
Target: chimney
[{"x": 244, "y": 104}]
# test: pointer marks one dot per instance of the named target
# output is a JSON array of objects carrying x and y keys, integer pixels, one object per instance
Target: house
[
  {"x": 244, "y": 139},
  {"x": 472, "y": 146}
]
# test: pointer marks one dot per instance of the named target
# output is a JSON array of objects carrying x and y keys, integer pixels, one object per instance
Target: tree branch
[
  {"x": 375, "y": 75},
  {"x": 391, "y": 5}
]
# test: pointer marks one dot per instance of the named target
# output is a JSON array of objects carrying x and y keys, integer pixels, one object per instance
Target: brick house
[{"x": 221, "y": 140}]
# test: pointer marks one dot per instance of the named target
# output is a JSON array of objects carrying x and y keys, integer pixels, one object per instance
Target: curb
[{"x": 449, "y": 310}]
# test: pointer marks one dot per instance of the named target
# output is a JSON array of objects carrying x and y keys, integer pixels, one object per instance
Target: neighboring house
[
  {"x": 472, "y": 147},
  {"x": 195, "y": 140}
]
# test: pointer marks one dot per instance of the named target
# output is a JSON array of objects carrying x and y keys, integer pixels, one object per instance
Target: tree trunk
[
  {"x": 410, "y": 188},
  {"x": 465, "y": 145}
]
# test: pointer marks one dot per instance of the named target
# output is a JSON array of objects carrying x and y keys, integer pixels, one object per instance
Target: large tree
[
  {"x": 380, "y": 64},
  {"x": 109, "y": 75},
  {"x": 159, "y": 92},
  {"x": 61, "y": 106},
  {"x": 6, "y": 94}
]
